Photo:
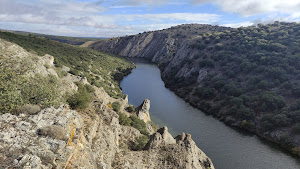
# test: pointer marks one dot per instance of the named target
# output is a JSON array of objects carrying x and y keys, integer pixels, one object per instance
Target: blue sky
[{"x": 111, "y": 18}]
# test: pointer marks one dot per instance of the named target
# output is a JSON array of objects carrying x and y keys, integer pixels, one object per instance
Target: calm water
[{"x": 228, "y": 148}]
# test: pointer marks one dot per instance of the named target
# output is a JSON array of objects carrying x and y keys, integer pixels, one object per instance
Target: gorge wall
[{"x": 246, "y": 77}]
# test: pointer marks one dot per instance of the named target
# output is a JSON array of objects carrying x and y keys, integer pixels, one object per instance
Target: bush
[
  {"x": 116, "y": 106},
  {"x": 29, "y": 109},
  {"x": 74, "y": 72},
  {"x": 81, "y": 99},
  {"x": 140, "y": 143},
  {"x": 130, "y": 109},
  {"x": 89, "y": 88},
  {"x": 139, "y": 124},
  {"x": 61, "y": 73},
  {"x": 134, "y": 122},
  {"x": 124, "y": 120}
]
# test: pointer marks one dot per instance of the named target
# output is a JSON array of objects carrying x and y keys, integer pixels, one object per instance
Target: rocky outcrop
[
  {"x": 163, "y": 151},
  {"x": 143, "y": 111},
  {"x": 160, "y": 138},
  {"x": 64, "y": 138}
]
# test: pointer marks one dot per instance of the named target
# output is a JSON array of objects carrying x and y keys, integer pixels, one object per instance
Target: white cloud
[
  {"x": 63, "y": 15},
  {"x": 253, "y": 7},
  {"x": 237, "y": 25},
  {"x": 142, "y": 2},
  {"x": 86, "y": 18}
]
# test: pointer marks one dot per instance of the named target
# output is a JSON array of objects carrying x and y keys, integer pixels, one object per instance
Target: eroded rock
[{"x": 143, "y": 111}]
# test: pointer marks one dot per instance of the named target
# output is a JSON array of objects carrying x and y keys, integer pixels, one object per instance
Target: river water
[{"x": 227, "y": 147}]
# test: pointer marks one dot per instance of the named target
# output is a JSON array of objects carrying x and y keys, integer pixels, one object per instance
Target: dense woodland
[{"x": 252, "y": 80}]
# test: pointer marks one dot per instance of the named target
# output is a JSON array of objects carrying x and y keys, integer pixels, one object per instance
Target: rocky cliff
[
  {"x": 247, "y": 77},
  {"x": 64, "y": 138},
  {"x": 93, "y": 137}
]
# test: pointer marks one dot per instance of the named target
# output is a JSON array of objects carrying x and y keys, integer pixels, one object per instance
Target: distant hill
[
  {"x": 62, "y": 39},
  {"x": 248, "y": 77}
]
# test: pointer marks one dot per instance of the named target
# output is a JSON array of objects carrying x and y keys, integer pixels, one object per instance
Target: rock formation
[
  {"x": 143, "y": 111},
  {"x": 60, "y": 138}
]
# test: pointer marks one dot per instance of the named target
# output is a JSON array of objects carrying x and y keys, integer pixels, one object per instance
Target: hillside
[
  {"x": 247, "y": 77},
  {"x": 63, "y": 39},
  {"x": 61, "y": 107}
]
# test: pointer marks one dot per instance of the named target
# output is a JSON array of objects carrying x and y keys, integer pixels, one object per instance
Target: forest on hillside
[{"x": 252, "y": 80}]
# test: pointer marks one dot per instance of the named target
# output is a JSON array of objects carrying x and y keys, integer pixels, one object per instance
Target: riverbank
[{"x": 224, "y": 145}]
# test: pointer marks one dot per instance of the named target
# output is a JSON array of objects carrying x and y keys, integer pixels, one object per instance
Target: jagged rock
[
  {"x": 167, "y": 137},
  {"x": 182, "y": 153},
  {"x": 143, "y": 111},
  {"x": 160, "y": 138},
  {"x": 150, "y": 128}
]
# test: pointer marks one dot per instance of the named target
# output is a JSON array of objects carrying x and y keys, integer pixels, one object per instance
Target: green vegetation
[
  {"x": 130, "y": 109},
  {"x": 82, "y": 98},
  {"x": 116, "y": 106},
  {"x": 140, "y": 143},
  {"x": 83, "y": 62},
  {"x": 134, "y": 122},
  {"x": 253, "y": 77},
  {"x": 139, "y": 124},
  {"x": 62, "y": 39},
  {"x": 124, "y": 120},
  {"x": 17, "y": 90}
]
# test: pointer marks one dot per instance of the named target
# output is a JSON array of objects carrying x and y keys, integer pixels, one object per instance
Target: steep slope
[
  {"x": 52, "y": 118},
  {"x": 247, "y": 77}
]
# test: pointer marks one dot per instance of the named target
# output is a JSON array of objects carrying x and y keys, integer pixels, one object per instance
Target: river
[{"x": 227, "y": 147}]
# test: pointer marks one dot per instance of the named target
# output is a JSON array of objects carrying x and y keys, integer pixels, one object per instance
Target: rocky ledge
[{"x": 64, "y": 138}]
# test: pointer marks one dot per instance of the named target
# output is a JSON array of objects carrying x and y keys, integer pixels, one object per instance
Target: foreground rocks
[{"x": 64, "y": 138}]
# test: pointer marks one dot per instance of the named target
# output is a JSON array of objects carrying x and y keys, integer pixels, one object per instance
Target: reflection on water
[{"x": 227, "y": 147}]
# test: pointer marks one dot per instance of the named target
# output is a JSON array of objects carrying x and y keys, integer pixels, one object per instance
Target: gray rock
[
  {"x": 143, "y": 111},
  {"x": 161, "y": 138}
]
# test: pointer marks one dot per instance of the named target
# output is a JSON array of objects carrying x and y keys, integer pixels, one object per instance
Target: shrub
[
  {"x": 61, "y": 73},
  {"x": 139, "y": 124},
  {"x": 80, "y": 99},
  {"x": 116, "y": 106},
  {"x": 124, "y": 120},
  {"x": 89, "y": 88},
  {"x": 130, "y": 109},
  {"x": 29, "y": 109},
  {"x": 140, "y": 143},
  {"x": 74, "y": 72}
]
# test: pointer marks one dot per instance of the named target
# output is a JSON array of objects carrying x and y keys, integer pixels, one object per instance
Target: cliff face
[
  {"x": 247, "y": 77},
  {"x": 64, "y": 138},
  {"x": 164, "y": 46},
  {"x": 59, "y": 137}
]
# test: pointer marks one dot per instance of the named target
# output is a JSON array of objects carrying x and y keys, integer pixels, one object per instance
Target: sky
[{"x": 112, "y": 18}]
